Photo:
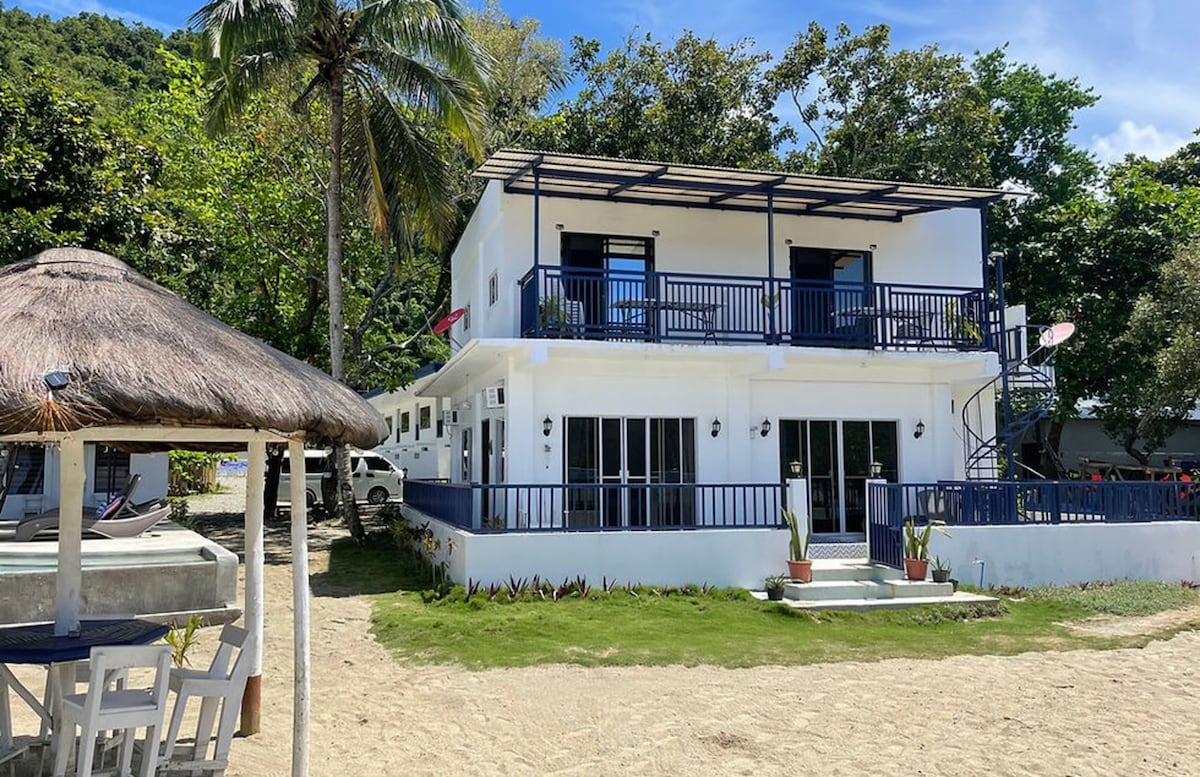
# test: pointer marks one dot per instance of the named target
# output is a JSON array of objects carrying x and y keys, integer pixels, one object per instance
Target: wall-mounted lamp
[
  {"x": 797, "y": 468},
  {"x": 876, "y": 469},
  {"x": 547, "y": 426},
  {"x": 787, "y": 241},
  {"x": 716, "y": 427},
  {"x": 872, "y": 247},
  {"x": 919, "y": 431},
  {"x": 559, "y": 227},
  {"x": 765, "y": 427},
  {"x": 655, "y": 233}
]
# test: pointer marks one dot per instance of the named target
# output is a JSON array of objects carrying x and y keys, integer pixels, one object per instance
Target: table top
[
  {"x": 37, "y": 644},
  {"x": 870, "y": 312},
  {"x": 654, "y": 304}
]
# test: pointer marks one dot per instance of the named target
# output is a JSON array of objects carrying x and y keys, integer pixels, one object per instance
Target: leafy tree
[
  {"x": 696, "y": 102},
  {"x": 909, "y": 115},
  {"x": 1125, "y": 242},
  {"x": 388, "y": 70},
  {"x": 66, "y": 177}
]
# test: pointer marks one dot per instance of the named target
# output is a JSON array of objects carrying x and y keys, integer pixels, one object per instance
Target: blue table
[{"x": 37, "y": 644}]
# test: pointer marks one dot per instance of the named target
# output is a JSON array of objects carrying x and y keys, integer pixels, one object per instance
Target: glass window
[
  {"x": 378, "y": 464},
  {"x": 110, "y": 472},
  {"x": 314, "y": 465},
  {"x": 493, "y": 288},
  {"x": 426, "y": 417},
  {"x": 30, "y": 470},
  {"x": 405, "y": 422}
]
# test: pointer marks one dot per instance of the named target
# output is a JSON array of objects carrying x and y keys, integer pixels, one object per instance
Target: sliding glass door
[
  {"x": 639, "y": 465},
  {"x": 837, "y": 456}
]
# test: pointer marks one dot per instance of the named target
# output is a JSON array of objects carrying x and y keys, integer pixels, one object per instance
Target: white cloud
[{"x": 1129, "y": 138}]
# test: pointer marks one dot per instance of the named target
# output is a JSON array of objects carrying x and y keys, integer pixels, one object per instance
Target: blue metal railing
[
  {"x": 577, "y": 302},
  {"x": 599, "y": 506},
  {"x": 1021, "y": 503}
]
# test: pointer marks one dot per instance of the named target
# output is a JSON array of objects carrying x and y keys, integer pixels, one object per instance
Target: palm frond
[
  {"x": 430, "y": 30},
  {"x": 234, "y": 26},
  {"x": 237, "y": 82}
]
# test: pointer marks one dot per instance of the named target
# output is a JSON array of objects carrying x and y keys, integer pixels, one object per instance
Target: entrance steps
[{"x": 858, "y": 584}]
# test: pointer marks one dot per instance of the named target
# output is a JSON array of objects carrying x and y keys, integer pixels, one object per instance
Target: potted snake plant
[
  {"x": 774, "y": 587},
  {"x": 799, "y": 565},
  {"x": 916, "y": 546}
]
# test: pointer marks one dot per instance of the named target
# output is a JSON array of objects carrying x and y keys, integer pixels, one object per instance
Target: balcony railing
[
  {"x": 570, "y": 302},
  {"x": 598, "y": 506}
]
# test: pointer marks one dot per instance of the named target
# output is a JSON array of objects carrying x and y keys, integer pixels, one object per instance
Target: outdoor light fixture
[
  {"x": 797, "y": 468},
  {"x": 765, "y": 427},
  {"x": 559, "y": 227},
  {"x": 787, "y": 241},
  {"x": 547, "y": 426},
  {"x": 56, "y": 380},
  {"x": 655, "y": 232},
  {"x": 716, "y": 427},
  {"x": 919, "y": 431},
  {"x": 876, "y": 469}
]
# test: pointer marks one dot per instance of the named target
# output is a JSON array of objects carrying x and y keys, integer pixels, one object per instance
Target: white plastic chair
[
  {"x": 105, "y": 709},
  {"x": 219, "y": 686}
]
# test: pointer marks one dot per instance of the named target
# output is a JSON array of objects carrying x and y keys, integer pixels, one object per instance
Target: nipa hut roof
[{"x": 138, "y": 354}]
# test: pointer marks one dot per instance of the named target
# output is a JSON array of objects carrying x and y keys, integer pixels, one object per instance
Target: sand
[{"x": 1074, "y": 713}]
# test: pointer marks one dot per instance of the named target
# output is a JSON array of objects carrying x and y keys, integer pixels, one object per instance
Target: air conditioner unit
[
  {"x": 493, "y": 397},
  {"x": 449, "y": 418}
]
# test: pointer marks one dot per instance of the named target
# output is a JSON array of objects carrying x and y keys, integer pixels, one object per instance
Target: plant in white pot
[{"x": 799, "y": 565}]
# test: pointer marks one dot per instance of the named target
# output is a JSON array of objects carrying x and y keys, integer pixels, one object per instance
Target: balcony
[{"x": 670, "y": 307}]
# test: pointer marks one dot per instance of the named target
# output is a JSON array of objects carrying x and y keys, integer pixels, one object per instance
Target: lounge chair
[{"x": 119, "y": 518}]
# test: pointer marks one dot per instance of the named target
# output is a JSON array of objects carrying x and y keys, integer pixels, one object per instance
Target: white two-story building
[{"x": 647, "y": 352}]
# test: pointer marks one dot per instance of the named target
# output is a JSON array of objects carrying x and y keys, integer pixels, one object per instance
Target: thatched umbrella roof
[{"x": 138, "y": 354}]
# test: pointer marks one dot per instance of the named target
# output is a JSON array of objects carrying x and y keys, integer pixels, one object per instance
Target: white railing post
[{"x": 797, "y": 499}]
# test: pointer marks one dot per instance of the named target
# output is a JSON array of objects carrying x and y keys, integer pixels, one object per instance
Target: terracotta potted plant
[
  {"x": 916, "y": 546},
  {"x": 799, "y": 565},
  {"x": 774, "y": 586}
]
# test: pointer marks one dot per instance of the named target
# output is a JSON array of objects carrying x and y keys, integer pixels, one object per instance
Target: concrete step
[
  {"x": 915, "y": 588},
  {"x": 838, "y": 589},
  {"x": 825, "y": 570},
  {"x": 883, "y": 604}
]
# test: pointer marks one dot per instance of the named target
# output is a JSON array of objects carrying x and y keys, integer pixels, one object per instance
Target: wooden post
[
  {"x": 69, "y": 576},
  {"x": 299, "y": 512},
  {"x": 256, "y": 458}
]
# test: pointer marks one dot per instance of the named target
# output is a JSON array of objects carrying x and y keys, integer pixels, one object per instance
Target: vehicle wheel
[
  {"x": 310, "y": 499},
  {"x": 377, "y": 495}
]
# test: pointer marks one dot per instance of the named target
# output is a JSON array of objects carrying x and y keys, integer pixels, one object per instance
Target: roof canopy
[
  {"x": 657, "y": 183},
  {"x": 86, "y": 341}
]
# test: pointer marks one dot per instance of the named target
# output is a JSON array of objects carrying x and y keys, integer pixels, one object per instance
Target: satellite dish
[
  {"x": 450, "y": 320},
  {"x": 1056, "y": 335}
]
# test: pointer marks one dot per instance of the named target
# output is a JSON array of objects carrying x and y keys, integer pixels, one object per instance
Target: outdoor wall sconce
[
  {"x": 797, "y": 468},
  {"x": 655, "y": 233},
  {"x": 559, "y": 227},
  {"x": 716, "y": 427},
  {"x": 876, "y": 469},
  {"x": 765, "y": 427},
  {"x": 787, "y": 241},
  {"x": 547, "y": 426},
  {"x": 919, "y": 431}
]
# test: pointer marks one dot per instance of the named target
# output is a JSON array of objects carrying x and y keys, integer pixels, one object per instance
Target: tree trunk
[
  {"x": 271, "y": 484},
  {"x": 1138, "y": 455},
  {"x": 346, "y": 508}
]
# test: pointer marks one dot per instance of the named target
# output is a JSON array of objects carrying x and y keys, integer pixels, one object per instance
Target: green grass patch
[{"x": 725, "y": 627}]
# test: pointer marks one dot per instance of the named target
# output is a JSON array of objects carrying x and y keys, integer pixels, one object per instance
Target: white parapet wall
[
  {"x": 1056, "y": 554},
  {"x": 720, "y": 557}
]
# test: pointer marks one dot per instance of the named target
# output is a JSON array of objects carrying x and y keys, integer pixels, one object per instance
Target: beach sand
[{"x": 1072, "y": 713}]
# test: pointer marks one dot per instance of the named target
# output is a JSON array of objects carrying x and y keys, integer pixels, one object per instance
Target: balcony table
[
  {"x": 37, "y": 644},
  {"x": 703, "y": 313},
  {"x": 895, "y": 325}
]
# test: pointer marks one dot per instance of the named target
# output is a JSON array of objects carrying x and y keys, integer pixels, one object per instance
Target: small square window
[
  {"x": 426, "y": 417},
  {"x": 493, "y": 288},
  {"x": 405, "y": 422}
]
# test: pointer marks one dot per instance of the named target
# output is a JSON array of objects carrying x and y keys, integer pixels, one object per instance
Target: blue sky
[{"x": 1136, "y": 53}]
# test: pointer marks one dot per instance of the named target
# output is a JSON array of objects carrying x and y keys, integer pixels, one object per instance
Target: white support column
[
  {"x": 256, "y": 470},
  {"x": 797, "y": 495},
  {"x": 69, "y": 577},
  {"x": 299, "y": 512}
]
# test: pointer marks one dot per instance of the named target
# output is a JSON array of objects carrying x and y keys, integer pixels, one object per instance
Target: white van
[{"x": 376, "y": 480}]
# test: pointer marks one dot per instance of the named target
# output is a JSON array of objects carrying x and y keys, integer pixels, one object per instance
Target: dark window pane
[
  {"x": 610, "y": 447},
  {"x": 856, "y": 448},
  {"x": 581, "y": 445},
  {"x": 111, "y": 470},
  {"x": 688, "y": 450},
  {"x": 635, "y": 431},
  {"x": 30, "y": 469},
  {"x": 885, "y": 450}
]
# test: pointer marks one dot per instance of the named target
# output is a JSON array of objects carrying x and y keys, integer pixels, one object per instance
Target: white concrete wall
[
  {"x": 941, "y": 248},
  {"x": 1061, "y": 554},
  {"x": 423, "y": 452},
  {"x": 721, "y": 557}
]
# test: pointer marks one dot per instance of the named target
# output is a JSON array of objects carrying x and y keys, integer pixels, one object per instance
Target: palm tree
[{"x": 399, "y": 77}]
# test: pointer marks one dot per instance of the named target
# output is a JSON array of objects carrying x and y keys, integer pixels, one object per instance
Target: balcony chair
[
  {"x": 9, "y": 751},
  {"x": 220, "y": 686},
  {"x": 103, "y": 708}
]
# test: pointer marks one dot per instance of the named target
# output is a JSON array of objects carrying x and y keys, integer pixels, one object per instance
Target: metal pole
[
  {"x": 537, "y": 218},
  {"x": 1006, "y": 397},
  {"x": 771, "y": 263}
]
